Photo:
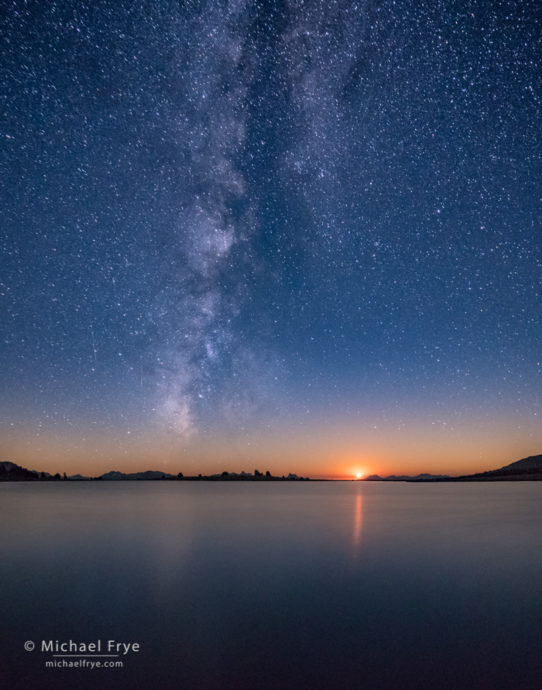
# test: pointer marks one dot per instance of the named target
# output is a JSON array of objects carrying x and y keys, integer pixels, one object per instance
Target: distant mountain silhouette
[
  {"x": 527, "y": 469},
  {"x": 149, "y": 474},
  {"x": 9, "y": 471},
  {"x": 404, "y": 477},
  {"x": 533, "y": 462}
]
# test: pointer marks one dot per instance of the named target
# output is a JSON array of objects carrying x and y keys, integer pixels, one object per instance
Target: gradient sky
[{"x": 300, "y": 236}]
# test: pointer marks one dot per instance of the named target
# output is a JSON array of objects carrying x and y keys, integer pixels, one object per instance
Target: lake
[{"x": 273, "y": 585}]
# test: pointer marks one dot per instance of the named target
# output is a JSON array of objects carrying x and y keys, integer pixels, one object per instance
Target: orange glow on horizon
[{"x": 336, "y": 452}]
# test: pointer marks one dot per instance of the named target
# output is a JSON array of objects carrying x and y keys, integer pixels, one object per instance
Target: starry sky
[{"x": 300, "y": 235}]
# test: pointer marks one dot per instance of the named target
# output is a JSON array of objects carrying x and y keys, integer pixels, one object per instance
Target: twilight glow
[{"x": 295, "y": 236}]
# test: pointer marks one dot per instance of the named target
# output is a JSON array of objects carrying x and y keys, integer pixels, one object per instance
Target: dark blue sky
[{"x": 239, "y": 216}]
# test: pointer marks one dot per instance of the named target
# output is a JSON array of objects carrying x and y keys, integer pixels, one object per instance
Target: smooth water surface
[{"x": 275, "y": 585}]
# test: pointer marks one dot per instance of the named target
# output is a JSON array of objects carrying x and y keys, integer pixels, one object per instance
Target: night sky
[{"x": 302, "y": 236}]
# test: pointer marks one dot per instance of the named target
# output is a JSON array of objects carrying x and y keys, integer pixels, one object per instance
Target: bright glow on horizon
[{"x": 334, "y": 452}]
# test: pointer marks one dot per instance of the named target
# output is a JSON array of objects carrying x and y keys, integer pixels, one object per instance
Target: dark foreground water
[{"x": 310, "y": 585}]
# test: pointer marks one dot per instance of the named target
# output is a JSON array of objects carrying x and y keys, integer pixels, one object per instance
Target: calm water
[{"x": 316, "y": 585}]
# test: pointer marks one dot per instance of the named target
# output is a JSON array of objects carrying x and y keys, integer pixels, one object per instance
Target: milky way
[{"x": 236, "y": 214}]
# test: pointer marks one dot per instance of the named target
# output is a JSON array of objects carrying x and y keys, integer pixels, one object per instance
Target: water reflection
[
  {"x": 261, "y": 586},
  {"x": 358, "y": 523}
]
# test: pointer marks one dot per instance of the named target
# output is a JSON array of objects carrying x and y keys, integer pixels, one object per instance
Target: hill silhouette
[
  {"x": 424, "y": 476},
  {"x": 532, "y": 463},
  {"x": 527, "y": 469},
  {"x": 9, "y": 471}
]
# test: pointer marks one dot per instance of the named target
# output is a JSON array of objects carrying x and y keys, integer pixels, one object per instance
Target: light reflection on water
[
  {"x": 358, "y": 523},
  {"x": 277, "y": 585}
]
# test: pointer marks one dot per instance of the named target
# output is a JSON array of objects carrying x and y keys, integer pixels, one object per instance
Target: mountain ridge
[
  {"x": 424, "y": 476},
  {"x": 526, "y": 469},
  {"x": 9, "y": 471}
]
